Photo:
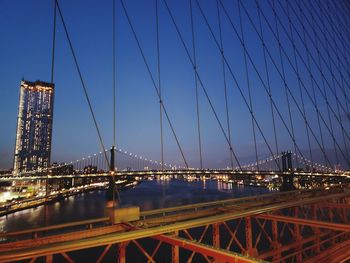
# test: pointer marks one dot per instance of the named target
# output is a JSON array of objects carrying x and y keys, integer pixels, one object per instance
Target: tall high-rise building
[{"x": 34, "y": 126}]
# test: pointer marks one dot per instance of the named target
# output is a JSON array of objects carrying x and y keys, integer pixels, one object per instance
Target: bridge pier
[
  {"x": 287, "y": 166},
  {"x": 111, "y": 179}
]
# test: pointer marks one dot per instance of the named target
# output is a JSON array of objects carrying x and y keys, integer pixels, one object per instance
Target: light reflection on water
[{"x": 148, "y": 195}]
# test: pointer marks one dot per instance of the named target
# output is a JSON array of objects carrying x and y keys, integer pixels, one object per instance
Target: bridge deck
[{"x": 161, "y": 224}]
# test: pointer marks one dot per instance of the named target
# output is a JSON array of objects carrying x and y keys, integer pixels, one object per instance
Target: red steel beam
[
  {"x": 206, "y": 250},
  {"x": 307, "y": 222}
]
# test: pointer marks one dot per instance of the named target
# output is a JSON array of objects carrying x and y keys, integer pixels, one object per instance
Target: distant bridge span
[{"x": 205, "y": 172}]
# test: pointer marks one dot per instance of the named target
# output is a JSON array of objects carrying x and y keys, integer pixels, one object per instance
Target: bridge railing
[{"x": 36, "y": 232}]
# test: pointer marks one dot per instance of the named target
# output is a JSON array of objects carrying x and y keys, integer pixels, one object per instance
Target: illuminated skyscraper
[{"x": 34, "y": 126}]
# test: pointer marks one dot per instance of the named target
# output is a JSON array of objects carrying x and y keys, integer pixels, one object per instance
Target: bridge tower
[
  {"x": 287, "y": 181},
  {"x": 111, "y": 178}
]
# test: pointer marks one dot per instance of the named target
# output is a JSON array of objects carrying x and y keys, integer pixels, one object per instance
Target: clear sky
[{"x": 25, "y": 52}]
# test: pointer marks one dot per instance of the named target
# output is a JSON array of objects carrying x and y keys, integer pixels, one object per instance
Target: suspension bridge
[{"x": 286, "y": 66}]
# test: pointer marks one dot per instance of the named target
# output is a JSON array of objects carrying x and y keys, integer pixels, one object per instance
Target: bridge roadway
[
  {"x": 205, "y": 172},
  {"x": 165, "y": 225}
]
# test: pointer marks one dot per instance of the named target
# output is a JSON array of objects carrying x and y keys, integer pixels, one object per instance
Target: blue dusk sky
[{"x": 26, "y": 29}]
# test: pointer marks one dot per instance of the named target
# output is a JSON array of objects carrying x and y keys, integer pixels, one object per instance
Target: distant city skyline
[{"x": 25, "y": 52}]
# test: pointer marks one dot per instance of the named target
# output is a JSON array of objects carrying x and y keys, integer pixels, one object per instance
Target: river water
[{"x": 147, "y": 195}]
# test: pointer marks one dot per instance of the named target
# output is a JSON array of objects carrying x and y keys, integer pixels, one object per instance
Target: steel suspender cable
[
  {"x": 160, "y": 98},
  {"x": 333, "y": 35},
  {"x": 327, "y": 43},
  {"x": 259, "y": 75},
  {"x": 284, "y": 78},
  {"x": 82, "y": 81},
  {"x": 52, "y": 76},
  {"x": 247, "y": 79},
  {"x": 312, "y": 41},
  {"x": 153, "y": 81},
  {"x": 299, "y": 84},
  {"x": 53, "y": 43},
  {"x": 235, "y": 80},
  {"x": 200, "y": 81},
  {"x": 268, "y": 83},
  {"x": 159, "y": 88},
  {"x": 303, "y": 85},
  {"x": 115, "y": 190},
  {"x": 312, "y": 99},
  {"x": 225, "y": 87},
  {"x": 114, "y": 74},
  {"x": 196, "y": 87},
  {"x": 324, "y": 89}
]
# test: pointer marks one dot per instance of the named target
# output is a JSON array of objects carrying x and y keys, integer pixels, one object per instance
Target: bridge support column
[
  {"x": 122, "y": 252},
  {"x": 276, "y": 245},
  {"x": 49, "y": 259},
  {"x": 110, "y": 194},
  {"x": 249, "y": 236},
  {"x": 316, "y": 230},
  {"x": 175, "y": 252},
  {"x": 288, "y": 179},
  {"x": 216, "y": 235}
]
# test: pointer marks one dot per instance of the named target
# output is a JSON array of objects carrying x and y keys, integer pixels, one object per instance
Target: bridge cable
[
  {"x": 53, "y": 43},
  {"x": 288, "y": 59},
  {"x": 200, "y": 81},
  {"x": 312, "y": 58},
  {"x": 82, "y": 81},
  {"x": 268, "y": 84},
  {"x": 324, "y": 88},
  {"x": 225, "y": 87},
  {"x": 312, "y": 80},
  {"x": 343, "y": 90},
  {"x": 159, "y": 88},
  {"x": 236, "y": 81},
  {"x": 343, "y": 22},
  {"x": 284, "y": 78},
  {"x": 299, "y": 84},
  {"x": 196, "y": 87},
  {"x": 314, "y": 102},
  {"x": 153, "y": 81},
  {"x": 335, "y": 28},
  {"x": 247, "y": 79},
  {"x": 114, "y": 72},
  {"x": 160, "y": 95},
  {"x": 52, "y": 75},
  {"x": 115, "y": 189},
  {"x": 323, "y": 95},
  {"x": 339, "y": 36},
  {"x": 336, "y": 51},
  {"x": 335, "y": 32},
  {"x": 326, "y": 47},
  {"x": 259, "y": 75}
]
